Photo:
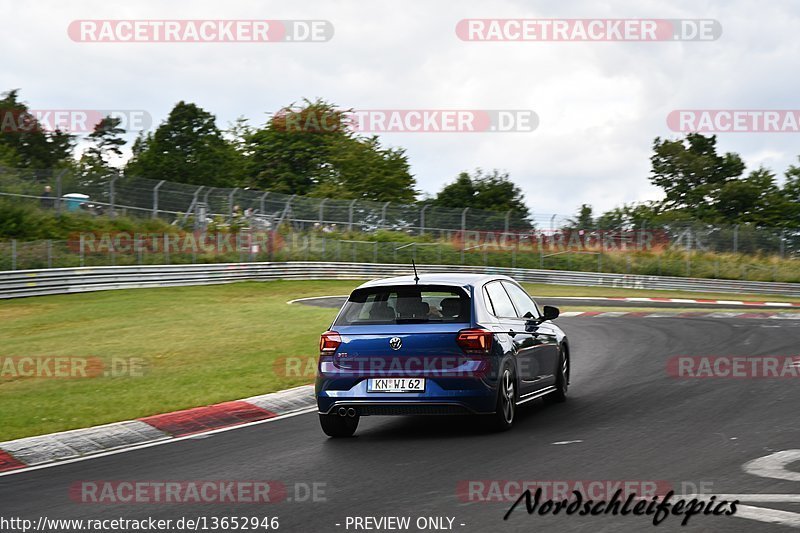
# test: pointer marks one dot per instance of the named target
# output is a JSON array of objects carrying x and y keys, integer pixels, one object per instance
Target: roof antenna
[{"x": 416, "y": 276}]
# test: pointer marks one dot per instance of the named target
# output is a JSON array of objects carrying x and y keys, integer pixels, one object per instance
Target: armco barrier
[{"x": 21, "y": 283}]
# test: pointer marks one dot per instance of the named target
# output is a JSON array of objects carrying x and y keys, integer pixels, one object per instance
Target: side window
[
  {"x": 522, "y": 301},
  {"x": 500, "y": 301}
]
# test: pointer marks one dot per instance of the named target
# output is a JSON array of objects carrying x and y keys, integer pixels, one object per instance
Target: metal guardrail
[{"x": 22, "y": 283}]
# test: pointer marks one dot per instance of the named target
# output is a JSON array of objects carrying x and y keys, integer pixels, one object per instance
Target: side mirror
[{"x": 550, "y": 313}]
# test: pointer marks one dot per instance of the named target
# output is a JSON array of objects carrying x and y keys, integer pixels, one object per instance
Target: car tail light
[
  {"x": 329, "y": 342},
  {"x": 475, "y": 341}
]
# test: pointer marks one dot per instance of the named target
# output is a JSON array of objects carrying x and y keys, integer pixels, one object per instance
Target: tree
[
  {"x": 310, "y": 149},
  {"x": 584, "y": 220},
  {"x": 754, "y": 199},
  {"x": 489, "y": 192},
  {"x": 189, "y": 148},
  {"x": 25, "y": 141},
  {"x": 106, "y": 140},
  {"x": 94, "y": 166},
  {"x": 692, "y": 174}
]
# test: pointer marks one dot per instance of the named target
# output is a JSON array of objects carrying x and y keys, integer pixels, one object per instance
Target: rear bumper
[{"x": 475, "y": 397}]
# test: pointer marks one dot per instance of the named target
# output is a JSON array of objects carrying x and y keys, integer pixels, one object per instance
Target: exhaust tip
[
  {"x": 351, "y": 412},
  {"x": 342, "y": 411}
]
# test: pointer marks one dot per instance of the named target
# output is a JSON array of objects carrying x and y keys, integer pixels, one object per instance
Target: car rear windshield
[{"x": 405, "y": 304}]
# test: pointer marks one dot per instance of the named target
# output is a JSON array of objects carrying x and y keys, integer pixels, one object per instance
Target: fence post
[
  {"x": 262, "y": 207},
  {"x": 736, "y": 238},
  {"x": 49, "y": 253},
  {"x": 155, "y": 198},
  {"x": 230, "y": 200},
  {"x": 783, "y": 243},
  {"x": 463, "y": 233},
  {"x": 80, "y": 252},
  {"x": 13, "y": 254},
  {"x": 322, "y": 210},
  {"x": 422, "y": 219},
  {"x": 350, "y": 216},
  {"x": 508, "y": 219},
  {"x": 383, "y": 214},
  {"x": 689, "y": 253},
  {"x": 375, "y": 253},
  {"x": 112, "y": 196},
  {"x": 166, "y": 248},
  {"x": 600, "y": 261},
  {"x": 58, "y": 191}
]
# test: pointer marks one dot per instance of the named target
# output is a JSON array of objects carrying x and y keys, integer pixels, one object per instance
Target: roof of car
[{"x": 460, "y": 280}]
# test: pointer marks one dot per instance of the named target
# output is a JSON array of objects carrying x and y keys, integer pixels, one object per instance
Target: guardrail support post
[
  {"x": 80, "y": 252},
  {"x": 155, "y": 198},
  {"x": 49, "y": 253},
  {"x": 13, "y": 254},
  {"x": 375, "y": 253},
  {"x": 736, "y": 238}
]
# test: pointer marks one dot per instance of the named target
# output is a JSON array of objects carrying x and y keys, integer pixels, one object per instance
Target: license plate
[{"x": 396, "y": 385}]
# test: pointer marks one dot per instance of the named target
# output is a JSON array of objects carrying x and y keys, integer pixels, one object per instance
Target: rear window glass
[{"x": 405, "y": 304}]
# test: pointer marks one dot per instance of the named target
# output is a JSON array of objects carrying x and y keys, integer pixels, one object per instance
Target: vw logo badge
[{"x": 396, "y": 343}]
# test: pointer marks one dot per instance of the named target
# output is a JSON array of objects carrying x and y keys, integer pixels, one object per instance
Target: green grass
[{"x": 201, "y": 345}]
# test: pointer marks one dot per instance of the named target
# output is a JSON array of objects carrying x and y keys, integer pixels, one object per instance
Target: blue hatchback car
[{"x": 439, "y": 344}]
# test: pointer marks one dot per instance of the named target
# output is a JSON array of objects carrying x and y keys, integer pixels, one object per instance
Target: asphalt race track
[{"x": 626, "y": 419}]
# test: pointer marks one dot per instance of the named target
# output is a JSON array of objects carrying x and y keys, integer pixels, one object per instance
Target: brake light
[
  {"x": 329, "y": 342},
  {"x": 475, "y": 341}
]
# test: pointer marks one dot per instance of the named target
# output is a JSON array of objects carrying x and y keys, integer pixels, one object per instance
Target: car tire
[
  {"x": 506, "y": 409},
  {"x": 562, "y": 380},
  {"x": 338, "y": 426}
]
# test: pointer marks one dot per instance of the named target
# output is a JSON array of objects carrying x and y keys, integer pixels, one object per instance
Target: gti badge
[{"x": 396, "y": 343}]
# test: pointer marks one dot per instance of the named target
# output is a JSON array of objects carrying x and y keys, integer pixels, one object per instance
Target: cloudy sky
[{"x": 600, "y": 104}]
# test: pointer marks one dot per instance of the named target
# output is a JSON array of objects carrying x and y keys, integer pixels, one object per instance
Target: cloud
[{"x": 600, "y": 104}]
